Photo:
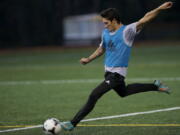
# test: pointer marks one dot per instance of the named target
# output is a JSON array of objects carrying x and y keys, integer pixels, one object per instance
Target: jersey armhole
[{"x": 129, "y": 34}]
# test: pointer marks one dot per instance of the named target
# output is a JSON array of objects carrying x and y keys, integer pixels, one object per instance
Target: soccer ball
[{"x": 52, "y": 126}]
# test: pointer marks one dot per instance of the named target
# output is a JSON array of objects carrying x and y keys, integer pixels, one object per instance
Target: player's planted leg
[
  {"x": 68, "y": 126},
  {"x": 88, "y": 107}
]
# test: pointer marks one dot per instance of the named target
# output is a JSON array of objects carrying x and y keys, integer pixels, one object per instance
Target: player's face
[{"x": 108, "y": 24}]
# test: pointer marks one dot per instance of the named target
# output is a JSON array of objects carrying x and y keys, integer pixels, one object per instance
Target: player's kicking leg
[{"x": 162, "y": 87}]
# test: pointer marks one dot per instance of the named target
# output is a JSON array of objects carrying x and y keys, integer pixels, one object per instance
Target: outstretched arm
[
  {"x": 99, "y": 51},
  {"x": 152, "y": 14}
]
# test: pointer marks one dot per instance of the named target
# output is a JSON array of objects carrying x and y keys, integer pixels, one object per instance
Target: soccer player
[{"x": 117, "y": 41}]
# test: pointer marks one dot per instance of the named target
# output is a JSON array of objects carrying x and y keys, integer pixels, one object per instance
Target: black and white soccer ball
[{"x": 52, "y": 126}]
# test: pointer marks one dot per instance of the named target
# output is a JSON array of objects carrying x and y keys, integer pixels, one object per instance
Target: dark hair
[{"x": 110, "y": 14}]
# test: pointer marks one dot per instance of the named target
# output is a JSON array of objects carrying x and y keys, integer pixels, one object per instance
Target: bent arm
[
  {"x": 152, "y": 14},
  {"x": 98, "y": 52}
]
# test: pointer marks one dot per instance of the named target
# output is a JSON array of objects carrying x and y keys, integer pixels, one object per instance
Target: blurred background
[{"x": 26, "y": 23}]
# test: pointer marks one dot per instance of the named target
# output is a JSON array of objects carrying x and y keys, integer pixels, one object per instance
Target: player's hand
[
  {"x": 166, "y": 5},
  {"x": 84, "y": 61}
]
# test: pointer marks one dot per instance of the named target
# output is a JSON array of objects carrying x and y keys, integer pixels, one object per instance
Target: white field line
[
  {"x": 132, "y": 114},
  {"x": 100, "y": 118},
  {"x": 83, "y": 81},
  {"x": 19, "y": 129}
]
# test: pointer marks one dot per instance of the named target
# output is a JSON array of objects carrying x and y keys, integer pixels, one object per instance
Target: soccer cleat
[
  {"x": 161, "y": 87},
  {"x": 68, "y": 126}
]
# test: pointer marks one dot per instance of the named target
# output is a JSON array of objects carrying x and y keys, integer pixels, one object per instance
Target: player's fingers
[
  {"x": 169, "y": 4},
  {"x": 82, "y": 62}
]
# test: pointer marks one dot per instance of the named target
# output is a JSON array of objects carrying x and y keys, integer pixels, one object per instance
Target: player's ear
[{"x": 114, "y": 21}]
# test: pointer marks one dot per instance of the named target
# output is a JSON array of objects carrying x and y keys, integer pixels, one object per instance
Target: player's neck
[{"x": 117, "y": 26}]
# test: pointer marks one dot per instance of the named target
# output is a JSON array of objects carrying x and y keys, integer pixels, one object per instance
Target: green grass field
[{"x": 40, "y": 84}]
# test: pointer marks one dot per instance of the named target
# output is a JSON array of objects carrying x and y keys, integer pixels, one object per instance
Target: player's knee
[{"x": 122, "y": 94}]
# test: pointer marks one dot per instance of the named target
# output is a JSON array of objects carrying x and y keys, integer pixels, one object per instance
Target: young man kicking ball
[{"x": 117, "y": 41}]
